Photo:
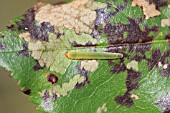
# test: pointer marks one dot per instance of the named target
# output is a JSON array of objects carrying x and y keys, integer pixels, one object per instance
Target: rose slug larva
[{"x": 78, "y": 55}]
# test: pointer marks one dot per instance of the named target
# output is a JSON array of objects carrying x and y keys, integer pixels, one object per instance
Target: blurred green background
[{"x": 11, "y": 99}]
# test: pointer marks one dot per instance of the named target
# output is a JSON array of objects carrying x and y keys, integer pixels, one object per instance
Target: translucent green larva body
[{"x": 77, "y": 55}]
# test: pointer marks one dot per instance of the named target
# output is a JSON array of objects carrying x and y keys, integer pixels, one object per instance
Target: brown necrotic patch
[
  {"x": 102, "y": 18},
  {"x": 27, "y": 92},
  {"x": 125, "y": 100},
  {"x": 158, "y": 3},
  {"x": 132, "y": 83},
  {"x": 37, "y": 31},
  {"x": 88, "y": 44},
  {"x": 160, "y": 61},
  {"x": 84, "y": 73},
  {"x": 52, "y": 78},
  {"x": 167, "y": 111},
  {"x": 167, "y": 36},
  {"x": 37, "y": 66},
  {"x": 137, "y": 53},
  {"x": 115, "y": 33}
]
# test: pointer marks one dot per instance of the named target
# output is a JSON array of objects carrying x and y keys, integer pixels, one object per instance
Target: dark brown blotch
[
  {"x": 156, "y": 57},
  {"x": 124, "y": 100},
  {"x": 115, "y": 33},
  {"x": 132, "y": 80},
  {"x": 39, "y": 32},
  {"x": 27, "y": 92},
  {"x": 52, "y": 78}
]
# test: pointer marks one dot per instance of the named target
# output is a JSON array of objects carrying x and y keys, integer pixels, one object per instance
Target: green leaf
[{"x": 34, "y": 50}]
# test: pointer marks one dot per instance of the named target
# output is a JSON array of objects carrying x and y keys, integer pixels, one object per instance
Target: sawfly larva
[{"x": 78, "y": 55}]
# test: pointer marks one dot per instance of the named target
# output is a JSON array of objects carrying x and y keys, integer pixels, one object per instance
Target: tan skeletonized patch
[
  {"x": 26, "y": 36},
  {"x": 133, "y": 65},
  {"x": 165, "y": 22},
  {"x": 149, "y": 10},
  {"x": 102, "y": 108},
  {"x": 90, "y": 65},
  {"x": 78, "y": 15}
]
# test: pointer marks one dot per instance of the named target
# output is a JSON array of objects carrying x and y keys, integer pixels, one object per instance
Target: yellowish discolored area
[
  {"x": 78, "y": 15},
  {"x": 90, "y": 65},
  {"x": 102, "y": 109},
  {"x": 133, "y": 65},
  {"x": 165, "y": 22},
  {"x": 149, "y": 10}
]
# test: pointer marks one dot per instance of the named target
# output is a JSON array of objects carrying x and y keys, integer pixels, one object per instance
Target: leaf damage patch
[
  {"x": 149, "y": 10},
  {"x": 164, "y": 102},
  {"x": 77, "y": 15},
  {"x": 115, "y": 33},
  {"x": 102, "y": 108},
  {"x": 51, "y": 54},
  {"x": 52, "y": 78},
  {"x": 83, "y": 73},
  {"x": 165, "y": 22},
  {"x": 90, "y": 65},
  {"x": 37, "y": 31},
  {"x": 160, "y": 61},
  {"x": 24, "y": 51},
  {"x": 133, "y": 64},
  {"x": 48, "y": 101},
  {"x": 27, "y": 92},
  {"x": 66, "y": 87}
]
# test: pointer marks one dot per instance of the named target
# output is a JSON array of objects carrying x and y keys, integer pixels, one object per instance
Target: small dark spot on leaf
[
  {"x": 46, "y": 95},
  {"x": 52, "y": 78},
  {"x": 24, "y": 51},
  {"x": 37, "y": 66},
  {"x": 27, "y": 92},
  {"x": 10, "y": 27},
  {"x": 2, "y": 46},
  {"x": 165, "y": 72},
  {"x": 167, "y": 110},
  {"x": 155, "y": 28},
  {"x": 58, "y": 35},
  {"x": 167, "y": 37}
]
